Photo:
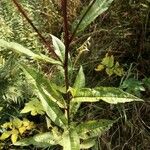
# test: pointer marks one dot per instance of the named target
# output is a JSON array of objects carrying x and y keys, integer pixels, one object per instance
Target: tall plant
[{"x": 62, "y": 101}]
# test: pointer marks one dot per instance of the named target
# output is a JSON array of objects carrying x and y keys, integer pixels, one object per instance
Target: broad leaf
[
  {"x": 50, "y": 107},
  {"x": 70, "y": 140},
  {"x": 93, "y": 128},
  {"x": 22, "y": 50},
  {"x": 108, "y": 94},
  {"x": 39, "y": 140},
  {"x": 96, "y": 8}
]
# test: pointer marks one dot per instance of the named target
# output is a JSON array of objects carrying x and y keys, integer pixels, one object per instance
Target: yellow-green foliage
[
  {"x": 15, "y": 128},
  {"x": 111, "y": 67},
  {"x": 34, "y": 106}
]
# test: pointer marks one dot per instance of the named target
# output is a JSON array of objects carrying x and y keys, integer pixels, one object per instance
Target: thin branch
[
  {"x": 47, "y": 44},
  {"x": 75, "y": 30}
]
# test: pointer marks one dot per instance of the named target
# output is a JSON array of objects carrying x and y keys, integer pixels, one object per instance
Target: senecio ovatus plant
[{"x": 62, "y": 101}]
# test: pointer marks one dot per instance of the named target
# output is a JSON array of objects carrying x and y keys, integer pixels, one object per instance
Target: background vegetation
[{"x": 122, "y": 32}]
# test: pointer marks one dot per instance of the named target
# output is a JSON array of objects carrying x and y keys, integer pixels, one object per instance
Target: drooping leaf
[
  {"x": 34, "y": 106},
  {"x": 93, "y": 128},
  {"x": 95, "y": 9},
  {"x": 50, "y": 107},
  {"x": 22, "y": 50},
  {"x": 110, "y": 95},
  {"x": 70, "y": 140},
  {"x": 39, "y": 140},
  {"x": 49, "y": 88}
]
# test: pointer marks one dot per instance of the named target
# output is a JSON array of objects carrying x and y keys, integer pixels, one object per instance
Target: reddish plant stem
[
  {"x": 47, "y": 44},
  {"x": 64, "y": 4},
  {"x": 66, "y": 40}
]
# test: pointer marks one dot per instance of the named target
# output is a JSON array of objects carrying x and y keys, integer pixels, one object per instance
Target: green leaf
[
  {"x": 59, "y": 47},
  {"x": 39, "y": 140},
  {"x": 94, "y": 10},
  {"x": 108, "y": 61},
  {"x": 133, "y": 86},
  {"x": 118, "y": 70},
  {"x": 79, "y": 83},
  {"x": 99, "y": 67},
  {"x": 94, "y": 128},
  {"x": 87, "y": 144},
  {"x": 34, "y": 106},
  {"x": 146, "y": 82},
  {"x": 110, "y": 95},
  {"x": 14, "y": 135},
  {"x": 49, "y": 88},
  {"x": 16, "y": 123},
  {"x": 109, "y": 71},
  {"x": 50, "y": 107},
  {"x": 70, "y": 140},
  {"x": 22, "y": 50},
  {"x": 5, "y": 135},
  {"x": 80, "y": 79}
]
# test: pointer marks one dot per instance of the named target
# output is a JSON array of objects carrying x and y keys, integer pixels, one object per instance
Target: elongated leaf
[
  {"x": 39, "y": 140},
  {"x": 80, "y": 79},
  {"x": 50, "y": 107},
  {"x": 70, "y": 140},
  {"x": 59, "y": 47},
  {"x": 49, "y": 88},
  {"x": 94, "y": 10},
  {"x": 93, "y": 128},
  {"x": 79, "y": 83},
  {"x": 22, "y": 50},
  {"x": 108, "y": 94}
]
